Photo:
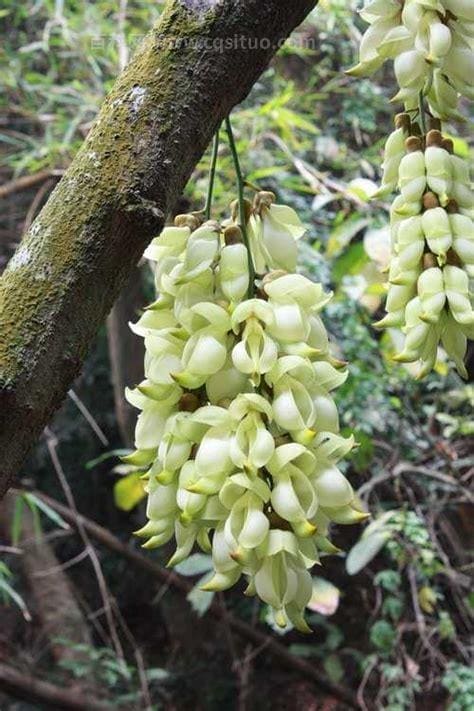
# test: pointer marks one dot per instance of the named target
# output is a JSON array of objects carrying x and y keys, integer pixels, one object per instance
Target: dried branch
[{"x": 29, "y": 688}]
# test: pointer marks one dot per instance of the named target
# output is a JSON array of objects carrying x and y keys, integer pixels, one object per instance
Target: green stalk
[
  {"x": 212, "y": 174},
  {"x": 421, "y": 112},
  {"x": 240, "y": 197}
]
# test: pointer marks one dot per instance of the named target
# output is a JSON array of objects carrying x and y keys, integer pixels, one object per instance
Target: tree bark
[
  {"x": 200, "y": 60},
  {"x": 55, "y": 603}
]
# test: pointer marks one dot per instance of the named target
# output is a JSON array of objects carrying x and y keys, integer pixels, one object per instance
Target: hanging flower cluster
[
  {"x": 431, "y": 219},
  {"x": 430, "y": 42},
  {"x": 238, "y": 432}
]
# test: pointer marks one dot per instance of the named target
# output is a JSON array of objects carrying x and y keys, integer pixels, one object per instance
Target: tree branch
[
  {"x": 168, "y": 577},
  {"x": 200, "y": 60},
  {"x": 29, "y": 688},
  {"x": 25, "y": 182}
]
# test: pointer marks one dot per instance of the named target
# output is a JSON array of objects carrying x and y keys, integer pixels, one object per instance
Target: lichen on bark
[{"x": 152, "y": 129}]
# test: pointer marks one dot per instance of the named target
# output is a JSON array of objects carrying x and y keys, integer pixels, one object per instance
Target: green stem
[
  {"x": 212, "y": 175},
  {"x": 240, "y": 197},
  {"x": 421, "y": 112}
]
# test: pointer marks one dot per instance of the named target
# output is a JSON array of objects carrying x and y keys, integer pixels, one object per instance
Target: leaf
[
  {"x": 157, "y": 674},
  {"x": 365, "y": 550},
  {"x": 382, "y": 635},
  {"x": 325, "y": 597},
  {"x": 17, "y": 520},
  {"x": 129, "y": 491},
  {"x": 196, "y": 564},
  {"x": 200, "y": 600},
  {"x": 303, "y": 650},
  {"x": 427, "y": 599},
  {"x": 343, "y": 233},
  {"x": 333, "y": 667},
  {"x": 350, "y": 262},
  {"x": 15, "y": 597},
  {"x": 361, "y": 456},
  {"x": 47, "y": 510},
  {"x": 362, "y": 188},
  {"x": 107, "y": 455}
]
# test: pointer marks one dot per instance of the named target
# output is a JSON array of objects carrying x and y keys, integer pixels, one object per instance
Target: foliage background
[{"x": 397, "y": 632}]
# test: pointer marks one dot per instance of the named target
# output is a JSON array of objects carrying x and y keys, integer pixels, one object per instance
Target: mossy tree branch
[{"x": 200, "y": 60}]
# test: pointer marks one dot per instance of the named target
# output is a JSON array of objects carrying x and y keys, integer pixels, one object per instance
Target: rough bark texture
[
  {"x": 55, "y": 603},
  {"x": 151, "y": 131}
]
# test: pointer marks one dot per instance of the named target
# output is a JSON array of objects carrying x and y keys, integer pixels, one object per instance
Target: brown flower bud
[
  {"x": 448, "y": 145},
  {"x": 434, "y": 138},
  {"x": 413, "y": 143},
  {"x": 264, "y": 198},
  {"x": 429, "y": 260},
  {"x": 430, "y": 200},
  {"x": 451, "y": 206},
  {"x": 213, "y": 225},
  {"x": 191, "y": 221},
  {"x": 403, "y": 121},
  {"x": 233, "y": 235},
  {"x": 234, "y": 209},
  {"x": 188, "y": 402},
  {"x": 435, "y": 123}
]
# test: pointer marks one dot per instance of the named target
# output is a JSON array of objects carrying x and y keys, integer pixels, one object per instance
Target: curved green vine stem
[
  {"x": 240, "y": 197},
  {"x": 212, "y": 174}
]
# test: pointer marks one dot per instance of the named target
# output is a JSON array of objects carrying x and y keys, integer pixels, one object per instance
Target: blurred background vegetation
[{"x": 392, "y": 620}]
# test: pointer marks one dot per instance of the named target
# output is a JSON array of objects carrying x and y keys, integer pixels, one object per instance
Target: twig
[
  {"x": 407, "y": 468},
  {"x": 36, "y": 203},
  {"x": 139, "y": 661},
  {"x": 88, "y": 417},
  {"x": 52, "y": 443},
  {"x": 260, "y": 639},
  {"x": 29, "y": 688},
  {"x": 64, "y": 566},
  {"x": 28, "y": 181}
]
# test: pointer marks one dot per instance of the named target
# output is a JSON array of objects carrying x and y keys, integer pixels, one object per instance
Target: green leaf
[
  {"x": 17, "y": 520},
  {"x": 303, "y": 650},
  {"x": 351, "y": 262},
  {"x": 333, "y": 667},
  {"x": 383, "y": 635},
  {"x": 157, "y": 674},
  {"x": 47, "y": 510},
  {"x": 362, "y": 455},
  {"x": 129, "y": 491},
  {"x": 7, "y": 589},
  {"x": 107, "y": 455},
  {"x": 343, "y": 233},
  {"x": 389, "y": 580}
]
